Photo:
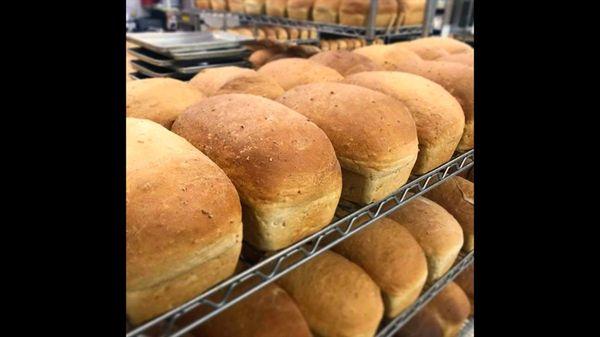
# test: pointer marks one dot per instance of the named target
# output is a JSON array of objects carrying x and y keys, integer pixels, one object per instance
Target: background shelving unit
[{"x": 222, "y": 296}]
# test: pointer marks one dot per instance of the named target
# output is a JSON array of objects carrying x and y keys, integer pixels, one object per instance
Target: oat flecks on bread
[
  {"x": 438, "y": 115},
  {"x": 183, "y": 221},
  {"x": 345, "y": 62},
  {"x": 374, "y": 135},
  {"x": 282, "y": 165},
  {"x": 159, "y": 99},
  {"x": 229, "y": 80},
  {"x": 291, "y": 72},
  {"x": 436, "y": 230},
  {"x": 457, "y": 196},
  {"x": 337, "y": 297},
  {"x": 444, "y": 316},
  {"x": 392, "y": 258}
]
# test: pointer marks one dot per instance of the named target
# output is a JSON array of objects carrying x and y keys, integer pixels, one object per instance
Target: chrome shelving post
[
  {"x": 430, "y": 7},
  {"x": 370, "y": 36}
]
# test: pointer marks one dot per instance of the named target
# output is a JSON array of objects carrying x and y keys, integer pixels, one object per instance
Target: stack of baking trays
[{"x": 183, "y": 54}]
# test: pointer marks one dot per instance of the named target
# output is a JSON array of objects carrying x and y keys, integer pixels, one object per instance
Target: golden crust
[
  {"x": 181, "y": 212},
  {"x": 276, "y": 158},
  {"x": 392, "y": 258},
  {"x": 276, "y": 7},
  {"x": 291, "y": 72},
  {"x": 438, "y": 115},
  {"x": 467, "y": 58},
  {"x": 389, "y": 57},
  {"x": 159, "y": 99},
  {"x": 326, "y": 11},
  {"x": 436, "y": 230},
  {"x": 348, "y": 302},
  {"x": 230, "y": 80},
  {"x": 299, "y": 9},
  {"x": 345, "y": 62}
]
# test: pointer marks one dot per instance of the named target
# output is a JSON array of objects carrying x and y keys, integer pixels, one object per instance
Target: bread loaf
[
  {"x": 450, "y": 45},
  {"x": 356, "y": 12},
  {"x": 467, "y": 58},
  {"x": 456, "y": 195},
  {"x": 336, "y": 296},
  {"x": 276, "y": 7},
  {"x": 229, "y": 80},
  {"x": 282, "y": 165},
  {"x": 292, "y": 72},
  {"x": 202, "y": 4},
  {"x": 436, "y": 230},
  {"x": 392, "y": 258},
  {"x": 304, "y": 34},
  {"x": 466, "y": 281},
  {"x": 159, "y": 99},
  {"x": 374, "y": 135},
  {"x": 183, "y": 221},
  {"x": 324, "y": 46},
  {"x": 261, "y": 57},
  {"x": 254, "y": 7},
  {"x": 345, "y": 62},
  {"x": 293, "y": 33},
  {"x": 412, "y": 12},
  {"x": 236, "y": 6},
  {"x": 389, "y": 57},
  {"x": 342, "y": 45},
  {"x": 439, "y": 117},
  {"x": 218, "y": 5},
  {"x": 334, "y": 45},
  {"x": 326, "y": 11},
  {"x": 282, "y": 34},
  {"x": 299, "y": 9},
  {"x": 444, "y": 316},
  {"x": 270, "y": 312}
]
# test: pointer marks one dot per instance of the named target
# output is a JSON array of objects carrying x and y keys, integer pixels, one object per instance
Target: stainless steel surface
[
  {"x": 150, "y": 70},
  {"x": 221, "y": 296},
  {"x": 463, "y": 261},
  {"x": 204, "y": 65},
  {"x": 179, "y": 42},
  {"x": 211, "y": 54},
  {"x": 150, "y": 57}
]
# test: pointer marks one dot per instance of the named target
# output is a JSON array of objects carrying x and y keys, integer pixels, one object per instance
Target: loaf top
[
  {"x": 467, "y": 58},
  {"x": 228, "y": 80},
  {"x": 389, "y": 254},
  {"x": 181, "y": 209},
  {"x": 390, "y": 57},
  {"x": 159, "y": 99},
  {"x": 451, "y": 304},
  {"x": 435, "y": 229},
  {"x": 345, "y": 62},
  {"x": 450, "y": 45},
  {"x": 437, "y": 114},
  {"x": 269, "y": 151},
  {"x": 368, "y": 129},
  {"x": 291, "y": 72},
  {"x": 348, "y": 302}
]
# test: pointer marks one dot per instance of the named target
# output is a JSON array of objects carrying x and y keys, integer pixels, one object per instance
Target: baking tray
[
  {"x": 151, "y": 57},
  {"x": 211, "y": 54},
  {"x": 192, "y": 69},
  {"x": 151, "y": 70},
  {"x": 181, "y": 42}
]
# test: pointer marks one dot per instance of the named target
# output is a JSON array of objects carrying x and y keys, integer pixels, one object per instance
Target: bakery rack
[
  {"x": 222, "y": 296},
  {"x": 193, "y": 16}
]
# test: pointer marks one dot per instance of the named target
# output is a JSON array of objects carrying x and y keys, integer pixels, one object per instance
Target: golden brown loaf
[
  {"x": 392, "y": 258},
  {"x": 326, "y": 11},
  {"x": 436, "y": 230},
  {"x": 466, "y": 58},
  {"x": 299, "y": 9},
  {"x": 356, "y": 12},
  {"x": 439, "y": 117},
  {"x": 466, "y": 281},
  {"x": 345, "y": 62},
  {"x": 293, "y": 33},
  {"x": 202, "y": 4},
  {"x": 230, "y": 80},
  {"x": 282, "y": 165},
  {"x": 457, "y": 196},
  {"x": 270, "y": 312},
  {"x": 281, "y": 33},
  {"x": 255, "y": 7},
  {"x": 324, "y": 45},
  {"x": 304, "y": 34},
  {"x": 292, "y": 72},
  {"x": 276, "y": 7},
  {"x": 261, "y": 57},
  {"x": 450, "y": 45},
  {"x": 219, "y": 5},
  {"x": 389, "y": 57},
  {"x": 334, "y": 45},
  {"x": 374, "y": 135},
  {"x": 444, "y": 316},
  {"x": 411, "y": 12},
  {"x": 159, "y": 99},
  {"x": 235, "y": 6},
  {"x": 270, "y": 33},
  {"x": 183, "y": 221},
  {"x": 342, "y": 45},
  {"x": 336, "y": 296}
]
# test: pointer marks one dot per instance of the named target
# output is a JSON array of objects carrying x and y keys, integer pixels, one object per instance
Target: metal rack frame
[{"x": 272, "y": 268}]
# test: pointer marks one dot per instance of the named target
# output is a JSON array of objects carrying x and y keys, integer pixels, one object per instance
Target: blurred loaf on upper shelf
[
  {"x": 228, "y": 80},
  {"x": 291, "y": 72}
]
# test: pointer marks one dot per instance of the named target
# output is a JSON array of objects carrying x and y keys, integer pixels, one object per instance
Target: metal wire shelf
[
  {"x": 272, "y": 268},
  {"x": 469, "y": 329},
  {"x": 389, "y": 329},
  {"x": 328, "y": 28}
]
